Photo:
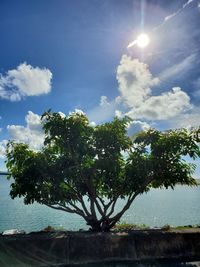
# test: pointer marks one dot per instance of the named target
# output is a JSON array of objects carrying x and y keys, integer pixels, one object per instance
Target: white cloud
[
  {"x": 137, "y": 99},
  {"x": 135, "y": 81},
  {"x": 31, "y": 134},
  {"x": 137, "y": 126},
  {"x": 135, "y": 86},
  {"x": 62, "y": 114},
  {"x": 118, "y": 113},
  {"x": 104, "y": 101},
  {"x": 3, "y": 149},
  {"x": 79, "y": 111},
  {"x": 93, "y": 124},
  {"x": 33, "y": 121},
  {"x": 106, "y": 109},
  {"x": 163, "y": 107},
  {"x": 24, "y": 81}
]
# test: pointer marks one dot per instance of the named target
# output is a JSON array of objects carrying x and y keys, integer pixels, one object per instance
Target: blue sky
[{"x": 72, "y": 54}]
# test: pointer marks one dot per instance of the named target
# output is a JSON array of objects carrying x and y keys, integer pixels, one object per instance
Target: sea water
[{"x": 180, "y": 206}]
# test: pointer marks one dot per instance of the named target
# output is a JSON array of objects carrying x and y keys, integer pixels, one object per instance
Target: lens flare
[{"x": 142, "y": 40}]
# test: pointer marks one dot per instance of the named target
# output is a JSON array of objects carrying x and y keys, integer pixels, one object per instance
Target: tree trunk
[
  {"x": 102, "y": 225},
  {"x": 95, "y": 225},
  {"x": 107, "y": 222}
]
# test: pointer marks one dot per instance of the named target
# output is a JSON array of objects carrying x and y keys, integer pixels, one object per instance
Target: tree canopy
[{"x": 101, "y": 164}]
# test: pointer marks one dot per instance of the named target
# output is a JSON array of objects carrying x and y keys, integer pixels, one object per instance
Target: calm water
[{"x": 156, "y": 208}]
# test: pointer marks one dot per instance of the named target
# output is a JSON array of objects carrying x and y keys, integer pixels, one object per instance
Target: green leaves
[{"x": 165, "y": 153}]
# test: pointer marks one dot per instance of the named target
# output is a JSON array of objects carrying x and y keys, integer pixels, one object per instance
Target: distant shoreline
[
  {"x": 4, "y": 173},
  {"x": 7, "y": 173}
]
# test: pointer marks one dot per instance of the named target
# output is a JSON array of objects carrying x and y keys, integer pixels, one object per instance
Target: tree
[{"x": 100, "y": 164}]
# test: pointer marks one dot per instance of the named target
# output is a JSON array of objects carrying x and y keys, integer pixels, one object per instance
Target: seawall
[{"x": 62, "y": 248}]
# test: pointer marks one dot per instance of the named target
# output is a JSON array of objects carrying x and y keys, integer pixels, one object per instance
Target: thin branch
[
  {"x": 99, "y": 207},
  {"x": 60, "y": 208},
  {"x": 114, "y": 219},
  {"x": 84, "y": 207},
  {"x": 102, "y": 202},
  {"x": 113, "y": 206},
  {"x": 93, "y": 197},
  {"x": 75, "y": 207}
]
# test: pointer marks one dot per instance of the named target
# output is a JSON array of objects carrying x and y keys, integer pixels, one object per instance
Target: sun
[{"x": 142, "y": 40}]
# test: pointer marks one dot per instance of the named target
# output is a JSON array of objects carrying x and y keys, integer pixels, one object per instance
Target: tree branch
[
  {"x": 99, "y": 207},
  {"x": 76, "y": 210},
  {"x": 84, "y": 207},
  {"x": 60, "y": 208},
  {"x": 101, "y": 201},
  {"x": 93, "y": 197},
  {"x": 113, "y": 203}
]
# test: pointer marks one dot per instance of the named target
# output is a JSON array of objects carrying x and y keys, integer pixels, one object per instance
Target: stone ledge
[{"x": 56, "y": 248}]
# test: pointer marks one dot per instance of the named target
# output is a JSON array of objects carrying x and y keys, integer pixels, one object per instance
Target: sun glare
[{"x": 142, "y": 40}]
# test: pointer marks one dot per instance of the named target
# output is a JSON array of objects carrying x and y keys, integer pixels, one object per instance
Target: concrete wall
[{"x": 48, "y": 249}]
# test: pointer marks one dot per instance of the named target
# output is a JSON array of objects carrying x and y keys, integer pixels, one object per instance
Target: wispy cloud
[
  {"x": 196, "y": 84},
  {"x": 178, "y": 11},
  {"x": 170, "y": 16},
  {"x": 132, "y": 44},
  {"x": 24, "y": 81},
  {"x": 187, "y": 120},
  {"x": 178, "y": 69}
]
